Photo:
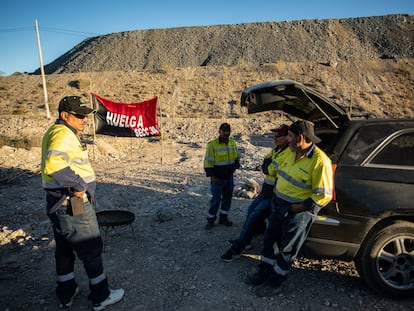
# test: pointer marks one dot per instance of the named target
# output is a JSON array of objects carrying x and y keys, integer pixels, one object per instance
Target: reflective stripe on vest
[
  {"x": 308, "y": 177},
  {"x": 221, "y": 154},
  {"x": 61, "y": 148}
]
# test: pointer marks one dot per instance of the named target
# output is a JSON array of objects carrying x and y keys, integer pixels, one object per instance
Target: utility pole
[{"x": 42, "y": 71}]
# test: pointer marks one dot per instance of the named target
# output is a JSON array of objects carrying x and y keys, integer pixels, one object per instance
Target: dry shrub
[
  {"x": 26, "y": 142},
  {"x": 167, "y": 69},
  {"x": 281, "y": 66},
  {"x": 18, "y": 112},
  {"x": 80, "y": 84}
]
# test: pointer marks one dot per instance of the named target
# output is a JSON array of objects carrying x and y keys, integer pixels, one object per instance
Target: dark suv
[{"x": 371, "y": 218}]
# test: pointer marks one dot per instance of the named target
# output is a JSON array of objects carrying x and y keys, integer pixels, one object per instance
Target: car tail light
[{"x": 333, "y": 182}]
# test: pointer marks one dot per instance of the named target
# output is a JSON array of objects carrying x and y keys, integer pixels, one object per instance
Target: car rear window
[
  {"x": 380, "y": 144},
  {"x": 400, "y": 151},
  {"x": 361, "y": 145}
]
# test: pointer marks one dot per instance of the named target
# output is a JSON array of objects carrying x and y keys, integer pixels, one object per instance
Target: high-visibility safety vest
[
  {"x": 310, "y": 177},
  {"x": 221, "y": 159},
  {"x": 62, "y": 148},
  {"x": 270, "y": 179}
]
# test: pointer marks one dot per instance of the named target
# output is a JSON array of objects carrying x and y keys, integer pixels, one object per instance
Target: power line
[
  {"x": 68, "y": 31},
  {"x": 49, "y": 29},
  {"x": 17, "y": 29}
]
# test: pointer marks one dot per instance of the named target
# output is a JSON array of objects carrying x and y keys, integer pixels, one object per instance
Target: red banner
[{"x": 126, "y": 119}]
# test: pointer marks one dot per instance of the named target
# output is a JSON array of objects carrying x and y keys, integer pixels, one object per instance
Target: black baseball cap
[
  {"x": 282, "y": 130},
  {"x": 306, "y": 128},
  {"x": 75, "y": 104}
]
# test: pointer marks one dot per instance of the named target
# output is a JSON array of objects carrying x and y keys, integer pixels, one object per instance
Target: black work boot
[
  {"x": 230, "y": 255},
  {"x": 209, "y": 224},
  {"x": 272, "y": 286},
  {"x": 224, "y": 220},
  {"x": 99, "y": 292},
  {"x": 261, "y": 275},
  {"x": 66, "y": 292},
  {"x": 260, "y": 228}
]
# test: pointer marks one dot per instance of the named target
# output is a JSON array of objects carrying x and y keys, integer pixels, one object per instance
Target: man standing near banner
[
  {"x": 69, "y": 182},
  {"x": 222, "y": 158}
]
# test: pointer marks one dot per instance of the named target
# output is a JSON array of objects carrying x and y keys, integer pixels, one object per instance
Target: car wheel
[{"x": 386, "y": 261}]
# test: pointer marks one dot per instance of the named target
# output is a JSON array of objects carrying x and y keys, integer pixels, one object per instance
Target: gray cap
[{"x": 306, "y": 128}]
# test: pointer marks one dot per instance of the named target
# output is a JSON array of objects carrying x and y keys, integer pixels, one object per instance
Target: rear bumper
[{"x": 321, "y": 248}]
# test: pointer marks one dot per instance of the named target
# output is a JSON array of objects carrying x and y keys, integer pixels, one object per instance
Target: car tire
[{"x": 386, "y": 261}]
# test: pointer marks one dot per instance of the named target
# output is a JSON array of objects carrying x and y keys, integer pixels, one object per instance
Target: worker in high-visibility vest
[
  {"x": 259, "y": 209},
  {"x": 304, "y": 185},
  {"x": 69, "y": 182},
  {"x": 221, "y": 159}
]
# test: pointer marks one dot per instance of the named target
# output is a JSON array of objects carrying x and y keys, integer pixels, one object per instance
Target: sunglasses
[{"x": 78, "y": 116}]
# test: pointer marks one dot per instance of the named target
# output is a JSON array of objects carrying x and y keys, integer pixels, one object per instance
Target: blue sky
[{"x": 63, "y": 24}]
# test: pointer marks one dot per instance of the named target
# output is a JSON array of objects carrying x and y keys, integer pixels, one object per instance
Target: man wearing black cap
[
  {"x": 69, "y": 182},
  {"x": 259, "y": 209},
  {"x": 304, "y": 185},
  {"x": 222, "y": 158}
]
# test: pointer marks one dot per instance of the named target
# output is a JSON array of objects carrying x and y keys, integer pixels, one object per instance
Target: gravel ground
[{"x": 172, "y": 264}]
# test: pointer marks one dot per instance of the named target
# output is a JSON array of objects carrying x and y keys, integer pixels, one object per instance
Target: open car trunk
[{"x": 298, "y": 102}]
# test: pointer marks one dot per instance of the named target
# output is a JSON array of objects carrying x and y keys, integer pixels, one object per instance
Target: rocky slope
[{"x": 326, "y": 41}]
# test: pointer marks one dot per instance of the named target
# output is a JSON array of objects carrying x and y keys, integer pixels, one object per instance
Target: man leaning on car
[{"x": 304, "y": 185}]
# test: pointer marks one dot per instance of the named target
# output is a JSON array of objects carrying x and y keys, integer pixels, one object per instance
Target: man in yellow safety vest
[
  {"x": 69, "y": 182},
  {"x": 304, "y": 185},
  {"x": 222, "y": 158}
]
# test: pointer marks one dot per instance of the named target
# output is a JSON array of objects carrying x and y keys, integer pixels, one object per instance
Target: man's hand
[
  {"x": 79, "y": 194},
  {"x": 297, "y": 207},
  {"x": 215, "y": 180}
]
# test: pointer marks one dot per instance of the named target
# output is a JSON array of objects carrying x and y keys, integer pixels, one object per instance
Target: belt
[{"x": 67, "y": 201}]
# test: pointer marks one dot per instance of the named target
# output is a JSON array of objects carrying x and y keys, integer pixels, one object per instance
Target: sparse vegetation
[
  {"x": 168, "y": 69},
  {"x": 18, "y": 112},
  {"x": 81, "y": 84},
  {"x": 280, "y": 66},
  {"x": 208, "y": 91},
  {"x": 24, "y": 142}
]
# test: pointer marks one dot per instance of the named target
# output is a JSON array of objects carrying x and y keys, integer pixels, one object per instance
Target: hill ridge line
[{"x": 321, "y": 40}]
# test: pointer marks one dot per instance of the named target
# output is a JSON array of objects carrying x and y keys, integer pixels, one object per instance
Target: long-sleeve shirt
[
  {"x": 65, "y": 164},
  {"x": 221, "y": 159},
  {"x": 308, "y": 180}
]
